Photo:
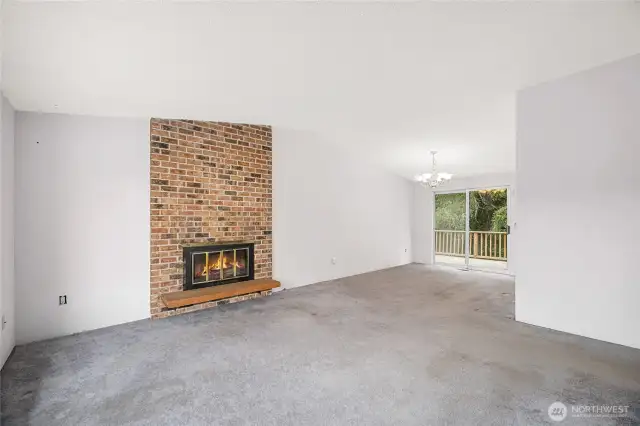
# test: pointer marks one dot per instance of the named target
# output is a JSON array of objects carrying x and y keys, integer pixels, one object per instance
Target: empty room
[{"x": 319, "y": 212}]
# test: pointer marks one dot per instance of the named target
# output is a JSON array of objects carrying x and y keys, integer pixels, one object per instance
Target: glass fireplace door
[{"x": 219, "y": 265}]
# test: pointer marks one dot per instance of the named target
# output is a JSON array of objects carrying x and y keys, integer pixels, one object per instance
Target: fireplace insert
[{"x": 209, "y": 265}]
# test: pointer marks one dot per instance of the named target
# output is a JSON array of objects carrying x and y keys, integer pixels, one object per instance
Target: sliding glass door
[
  {"x": 471, "y": 229},
  {"x": 450, "y": 228},
  {"x": 488, "y": 229}
]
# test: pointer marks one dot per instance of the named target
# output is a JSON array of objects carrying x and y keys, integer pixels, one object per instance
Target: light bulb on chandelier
[{"x": 435, "y": 178}]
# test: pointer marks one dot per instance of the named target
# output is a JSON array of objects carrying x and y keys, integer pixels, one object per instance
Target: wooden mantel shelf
[{"x": 179, "y": 299}]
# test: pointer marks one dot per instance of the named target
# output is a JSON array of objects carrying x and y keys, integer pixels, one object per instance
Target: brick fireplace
[{"x": 210, "y": 184}]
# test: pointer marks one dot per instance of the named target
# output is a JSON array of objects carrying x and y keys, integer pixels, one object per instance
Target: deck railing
[{"x": 482, "y": 244}]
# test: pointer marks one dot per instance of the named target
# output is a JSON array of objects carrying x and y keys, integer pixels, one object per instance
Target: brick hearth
[{"x": 211, "y": 182}]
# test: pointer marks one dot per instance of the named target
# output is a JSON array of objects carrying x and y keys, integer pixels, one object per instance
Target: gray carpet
[{"x": 405, "y": 346}]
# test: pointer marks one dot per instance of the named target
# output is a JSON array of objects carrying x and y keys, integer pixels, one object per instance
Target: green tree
[
  {"x": 450, "y": 211},
  {"x": 499, "y": 220},
  {"x": 483, "y": 204},
  {"x": 487, "y": 211}
]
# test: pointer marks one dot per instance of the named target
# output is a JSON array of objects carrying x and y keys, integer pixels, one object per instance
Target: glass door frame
[
  {"x": 466, "y": 228},
  {"x": 466, "y": 191}
]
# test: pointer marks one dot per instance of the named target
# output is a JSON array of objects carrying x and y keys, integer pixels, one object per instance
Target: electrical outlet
[
  {"x": 4, "y": 322},
  {"x": 62, "y": 300},
  {"x": 334, "y": 260},
  {"x": 405, "y": 250}
]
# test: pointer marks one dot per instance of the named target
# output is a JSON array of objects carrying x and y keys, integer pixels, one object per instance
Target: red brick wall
[{"x": 209, "y": 182}]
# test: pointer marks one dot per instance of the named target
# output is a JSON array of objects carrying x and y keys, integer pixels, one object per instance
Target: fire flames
[{"x": 215, "y": 262}]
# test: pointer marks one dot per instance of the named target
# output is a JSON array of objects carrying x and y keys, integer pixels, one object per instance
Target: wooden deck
[{"x": 480, "y": 264}]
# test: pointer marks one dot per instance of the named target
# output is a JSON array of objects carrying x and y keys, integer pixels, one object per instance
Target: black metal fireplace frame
[{"x": 188, "y": 251}]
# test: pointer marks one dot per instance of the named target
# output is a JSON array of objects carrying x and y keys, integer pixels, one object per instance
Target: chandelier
[{"x": 433, "y": 179}]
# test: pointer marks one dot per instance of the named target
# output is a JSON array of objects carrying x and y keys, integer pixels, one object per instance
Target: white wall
[
  {"x": 422, "y": 225},
  {"x": 422, "y": 213},
  {"x": 83, "y": 211},
  {"x": 328, "y": 204},
  {"x": 7, "y": 283},
  {"x": 578, "y": 147},
  {"x": 82, "y": 223}
]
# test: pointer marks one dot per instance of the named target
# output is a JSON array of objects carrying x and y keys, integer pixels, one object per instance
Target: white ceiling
[{"x": 389, "y": 81}]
